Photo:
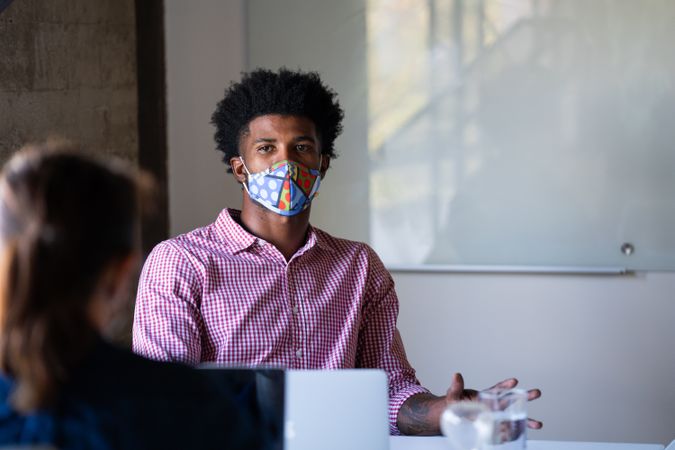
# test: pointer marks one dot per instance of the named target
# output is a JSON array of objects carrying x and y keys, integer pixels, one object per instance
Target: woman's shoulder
[
  {"x": 170, "y": 403},
  {"x": 121, "y": 400},
  {"x": 122, "y": 372},
  {"x": 17, "y": 428},
  {"x": 6, "y": 384}
]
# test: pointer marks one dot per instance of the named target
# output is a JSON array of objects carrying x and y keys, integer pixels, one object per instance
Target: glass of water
[
  {"x": 467, "y": 425},
  {"x": 509, "y": 415}
]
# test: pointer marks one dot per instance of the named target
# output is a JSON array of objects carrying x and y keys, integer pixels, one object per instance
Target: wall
[
  {"x": 599, "y": 347},
  {"x": 204, "y": 52},
  {"x": 312, "y": 41},
  {"x": 68, "y": 67}
]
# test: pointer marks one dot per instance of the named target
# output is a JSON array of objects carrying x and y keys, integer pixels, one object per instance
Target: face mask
[{"x": 287, "y": 187}]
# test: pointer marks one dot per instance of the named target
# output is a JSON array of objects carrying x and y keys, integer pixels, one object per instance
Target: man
[{"x": 264, "y": 287}]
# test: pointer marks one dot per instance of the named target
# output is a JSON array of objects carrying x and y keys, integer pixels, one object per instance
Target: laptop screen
[{"x": 261, "y": 390}]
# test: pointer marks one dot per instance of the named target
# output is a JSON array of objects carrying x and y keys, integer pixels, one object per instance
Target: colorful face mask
[{"x": 287, "y": 187}]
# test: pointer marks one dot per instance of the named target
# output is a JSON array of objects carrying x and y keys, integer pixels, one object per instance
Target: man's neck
[{"x": 287, "y": 234}]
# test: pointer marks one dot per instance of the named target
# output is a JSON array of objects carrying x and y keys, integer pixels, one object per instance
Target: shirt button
[
  {"x": 298, "y": 353},
  {"x": 295, "y": 309}
]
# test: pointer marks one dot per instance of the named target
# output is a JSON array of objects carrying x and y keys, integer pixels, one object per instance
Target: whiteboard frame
[{"x": 466, "y": 268}]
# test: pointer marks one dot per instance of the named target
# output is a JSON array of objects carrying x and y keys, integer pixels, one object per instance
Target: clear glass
[
  {"x": 467, "y": 425},
  {"x": 509, "y": 415}
]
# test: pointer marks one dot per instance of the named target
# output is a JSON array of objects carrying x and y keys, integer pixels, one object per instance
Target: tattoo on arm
[{"x": 420, "y": 415}]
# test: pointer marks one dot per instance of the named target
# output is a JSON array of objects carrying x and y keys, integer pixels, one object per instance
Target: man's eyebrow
[
  {"x": 305, "y": 138},
  {"x": 269, "y": 140}
]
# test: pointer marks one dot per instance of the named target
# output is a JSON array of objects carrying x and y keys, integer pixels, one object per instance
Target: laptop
[
  {"x": 312, "y": 409},
  {"x": 336, "y": 410},
  {"x": 261, "y": 392}
]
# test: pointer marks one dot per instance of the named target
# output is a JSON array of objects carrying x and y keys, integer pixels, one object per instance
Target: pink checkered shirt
[{"x": 220, "y": 294}]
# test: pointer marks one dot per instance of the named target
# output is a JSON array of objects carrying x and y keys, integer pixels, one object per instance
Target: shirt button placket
[{"x": 295, "y": 318}]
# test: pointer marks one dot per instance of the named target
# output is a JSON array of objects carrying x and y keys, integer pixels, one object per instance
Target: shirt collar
[
  {"x": 318, "y": 237},
  {"x": 239, "y": 239},
  {"x": 233, "y": 234}
]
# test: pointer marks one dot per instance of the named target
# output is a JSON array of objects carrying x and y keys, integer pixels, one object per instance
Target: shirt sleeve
[
  {"x": 167, "y": 319},
  {"x": 380, "y": 345}
]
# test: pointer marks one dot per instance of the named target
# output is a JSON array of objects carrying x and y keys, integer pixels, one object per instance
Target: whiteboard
[{"x": 492, "y": 133}]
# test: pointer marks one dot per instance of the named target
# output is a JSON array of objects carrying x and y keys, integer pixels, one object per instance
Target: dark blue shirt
[{"x": 118, "y": 400}]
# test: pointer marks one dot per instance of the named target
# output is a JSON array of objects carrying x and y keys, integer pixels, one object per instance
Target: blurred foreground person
[{"x": 69, "y": 232}]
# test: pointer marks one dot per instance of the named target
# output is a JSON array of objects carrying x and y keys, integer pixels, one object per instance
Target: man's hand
[
  {"x": 421, "y": 413},
  {"x": 456, "y": 392}
]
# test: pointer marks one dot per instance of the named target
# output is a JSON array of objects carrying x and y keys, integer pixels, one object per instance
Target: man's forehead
[{"x": 278, "y": 123}]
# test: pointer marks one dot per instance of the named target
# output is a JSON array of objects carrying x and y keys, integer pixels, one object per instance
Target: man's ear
[
  {"x": 238, "y": 169},
  {"x": 325, "y": 164}
]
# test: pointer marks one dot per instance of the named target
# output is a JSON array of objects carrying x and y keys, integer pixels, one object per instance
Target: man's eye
[
  {"x": 302, "y": 148},
  {"x": 264, "y": 149}
]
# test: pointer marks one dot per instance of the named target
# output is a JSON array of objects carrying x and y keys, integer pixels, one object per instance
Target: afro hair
[{"x": 262, "y": 92}]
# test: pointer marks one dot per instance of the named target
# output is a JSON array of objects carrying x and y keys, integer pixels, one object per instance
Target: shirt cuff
[{"x": 397, "y": 400}]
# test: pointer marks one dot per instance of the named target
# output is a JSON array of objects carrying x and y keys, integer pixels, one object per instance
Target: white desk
[{"x": 439, "y": 443}]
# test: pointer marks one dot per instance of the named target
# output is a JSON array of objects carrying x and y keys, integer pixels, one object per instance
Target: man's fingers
[
  {"x": 509, "y": 383},
  {"x": 533, "y": 394},
  {"x": 534, "y": 424}
]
